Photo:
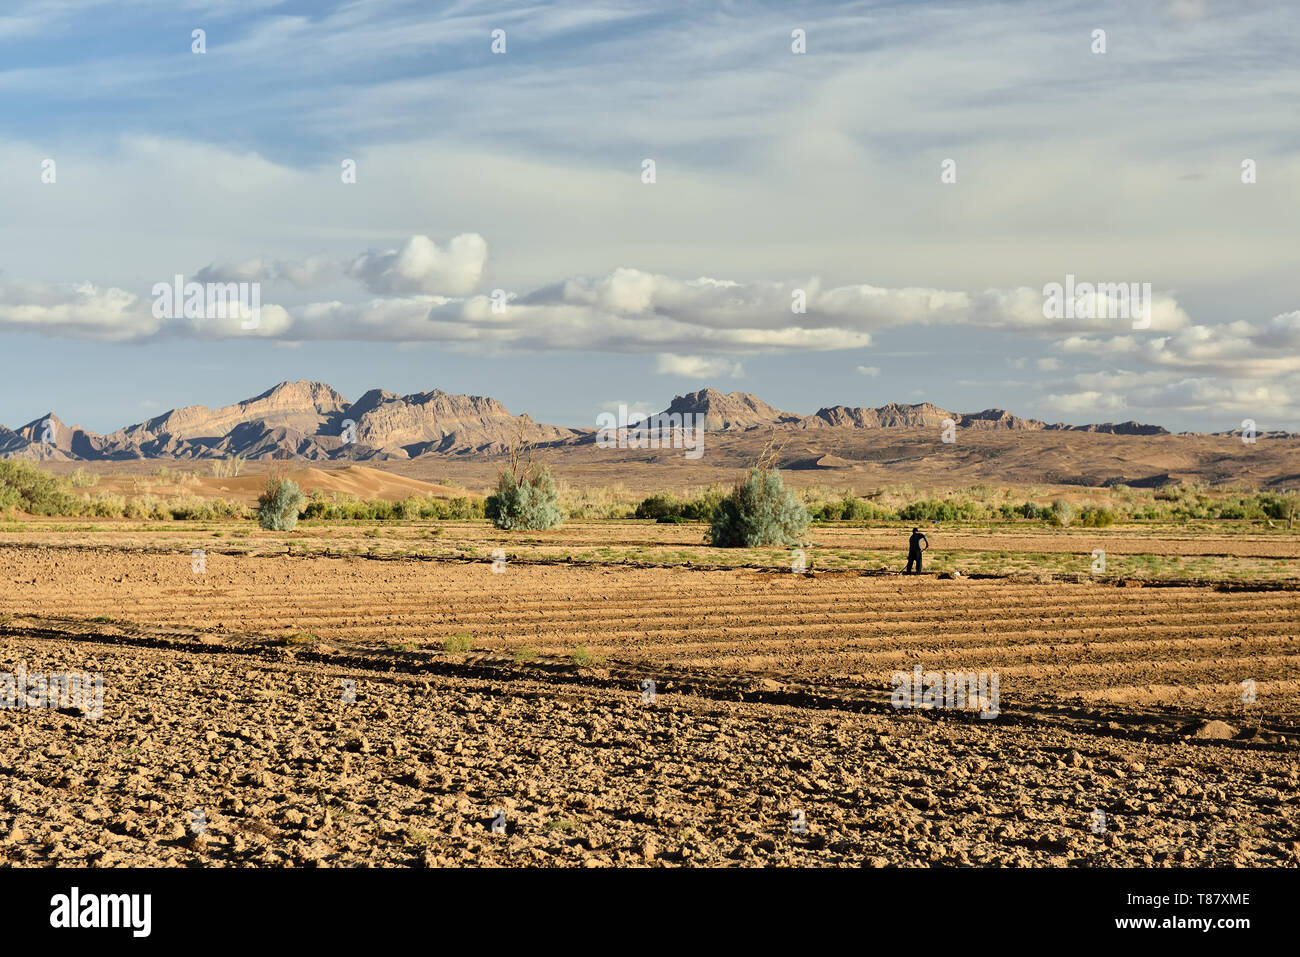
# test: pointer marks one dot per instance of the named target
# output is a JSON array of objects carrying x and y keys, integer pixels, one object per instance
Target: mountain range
[{"x": 312, "y": 421}]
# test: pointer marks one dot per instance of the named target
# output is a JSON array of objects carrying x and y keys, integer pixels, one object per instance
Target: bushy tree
[
  {"x": 1062, "y": 513},
  {"x": 25, "y": 487},
  {"x": 277, "y": 506},
  {"x": 1282, "y": 505},
  {"x": 759, "y": 511},
  {"x": 527, "y": 499},
  {"x": 526, "y": 496}
]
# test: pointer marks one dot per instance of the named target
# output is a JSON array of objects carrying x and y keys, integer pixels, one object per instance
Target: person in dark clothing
[{"x": 914, "y": 551}]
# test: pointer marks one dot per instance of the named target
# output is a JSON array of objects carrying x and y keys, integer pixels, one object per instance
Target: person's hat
[{"x": 916, "y": 529}]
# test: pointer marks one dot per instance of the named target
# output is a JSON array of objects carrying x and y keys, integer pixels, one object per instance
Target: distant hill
[
  {"x": 310, "y": 421},
  {"x": 732, "y": 410},
  {"x": 741, "y": 410},
  {"x": 295, "y": 420}
]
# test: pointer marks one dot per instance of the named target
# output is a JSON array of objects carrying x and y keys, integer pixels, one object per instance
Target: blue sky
[{"x": 776, "y": 173}]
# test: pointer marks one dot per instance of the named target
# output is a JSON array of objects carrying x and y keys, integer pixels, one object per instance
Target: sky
[{"x": 878, "y": 218}]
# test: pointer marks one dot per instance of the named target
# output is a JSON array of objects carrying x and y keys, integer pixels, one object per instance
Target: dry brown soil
[{"x": 225, "y": 691}]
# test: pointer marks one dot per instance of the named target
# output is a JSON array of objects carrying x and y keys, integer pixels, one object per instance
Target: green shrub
[
  {"x": 1277, "y": 506},
  {"x": 933, "y": 510},
  {"x": 698, "y": 509},
  {"x": 850, "y": 509},
  {"x": 83, "y": 479},
  {"x": 10, "y": 498},
  {"x": 228, "y": 508},
  {"x": 525, "y": 499},
  {"x": 584, "y": 658},
  {"x": 1030, "y": 510},
  {"x": 462, "y": 641},
  {"x": 36, "y": 492},
  {"x": 658, "y": 506},
  {"x": 277, "y": 506},
  {"x": 1062, "y": 513},
  {"x": 702, "y": 507},
  {"x": 106, "y": 505},
  {"x": 348, "y": 508},
  {"x": 147, "y": 506},
  {"x": 463, "y": 507},
  {"x": 189, "y": 507},
  {"x": 316, "y": 509},
  {"x": 1096, "y": 518},
  {"x": 759, "y": 511}
]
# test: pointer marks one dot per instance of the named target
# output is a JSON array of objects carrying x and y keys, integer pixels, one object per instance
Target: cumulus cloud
[
  {"x": 698, "y": 367},
  {"x": 80, "y": 310},
  {"x": 696, "y": 328},
  {"x": 1236, "y": 348},
  {"x": 418, "y": 266},
  {"x": 421, "y": 266}
]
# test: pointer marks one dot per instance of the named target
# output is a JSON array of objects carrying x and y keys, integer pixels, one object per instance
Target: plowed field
[{"x": 523, "y": 689}]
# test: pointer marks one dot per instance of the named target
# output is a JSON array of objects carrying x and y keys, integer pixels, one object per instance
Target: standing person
[{"x": 914, "y": 551}]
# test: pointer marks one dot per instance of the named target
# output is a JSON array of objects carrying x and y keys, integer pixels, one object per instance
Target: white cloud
[
  {"x": 697, "y": 367},
  {"x": 80, "y": 310},
  {"x": 698, "y": 327},
  {"x": 1232, "y": 349},
  {"x": 420, "y": 266},
  {"x": 1115, "y": 345},
  {"x": 1086, "y": 403},
  {"x": 1168, "y": 389},
  {"x": 423, "y": 292},
  {"x": 1264, "y": 401}
]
